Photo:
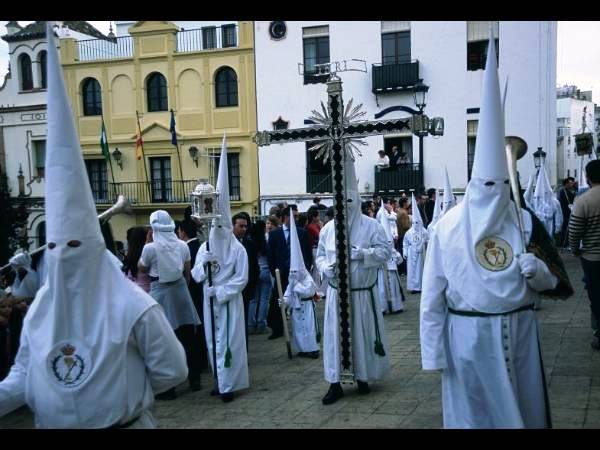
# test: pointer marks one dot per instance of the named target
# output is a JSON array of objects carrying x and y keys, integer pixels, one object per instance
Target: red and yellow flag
[{"x": 138, "y": 143}]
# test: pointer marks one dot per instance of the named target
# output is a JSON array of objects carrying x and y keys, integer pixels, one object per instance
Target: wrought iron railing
[
  {"x": 207, "y": 38},
  {"x": 400, "y": 178},
  {"x": 394, "y": 77},
  {"x": 318, "y": 183},
  {"x": 100, "y": 49}
]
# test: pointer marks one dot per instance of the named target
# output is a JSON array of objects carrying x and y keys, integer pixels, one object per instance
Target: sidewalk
[{"x": 287, "y": 393}]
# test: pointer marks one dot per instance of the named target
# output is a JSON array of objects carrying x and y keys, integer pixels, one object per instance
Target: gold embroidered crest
[{"x": 494, "y": 253}]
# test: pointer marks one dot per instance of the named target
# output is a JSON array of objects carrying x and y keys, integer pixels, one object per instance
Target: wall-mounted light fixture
[
  {"x": 194, "y": 154},
  {"x": 118, "y": 157}
]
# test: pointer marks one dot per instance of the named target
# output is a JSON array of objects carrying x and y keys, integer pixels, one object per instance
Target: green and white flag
[{"x": 104, "y": 143}]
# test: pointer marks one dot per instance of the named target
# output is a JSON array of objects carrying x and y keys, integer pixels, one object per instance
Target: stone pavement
[{"x": 287, "y": 393}]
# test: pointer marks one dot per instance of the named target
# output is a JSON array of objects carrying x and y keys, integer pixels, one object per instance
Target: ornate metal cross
[{"x": 335, "y": 132}]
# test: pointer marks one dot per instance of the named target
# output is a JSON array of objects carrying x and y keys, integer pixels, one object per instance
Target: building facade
[
  {"x": 206, "y": 78},
  {"x": 447, "y": 56},
  {"x": 23, "y": 116},
  {"x": 575, "y": 110}
]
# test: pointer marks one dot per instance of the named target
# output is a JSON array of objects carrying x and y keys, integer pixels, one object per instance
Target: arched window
[
  {"x": 42, "y": 61},
  {"x": 226, "y": 89},
  {"x": 156, "y": 91},
  {"x": 26, "y": 75},
  {"x": 92, "y": 100}
]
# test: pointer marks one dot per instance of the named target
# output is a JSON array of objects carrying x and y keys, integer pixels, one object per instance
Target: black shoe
[
  {"x": 334, "y": 393},
  {"x": 363, "y": 387},
  {"x": 313, "y": 355},
  {"x": 195, "y": 386},
  {"x": 595, "y": 344},
  {"x": 302, "y": 354},
  {"x": 227, "y": 397},
  {"x": 398, "y": 312},
  {"x": 275, "y": 336},
  {"x": 167, "y": 395}
]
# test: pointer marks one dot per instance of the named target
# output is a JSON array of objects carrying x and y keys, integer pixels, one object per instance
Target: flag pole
[
  {"x": 178, "y": 154},
  {"x": 137, "y": 115},
  {"x": 112, "y": 174}
]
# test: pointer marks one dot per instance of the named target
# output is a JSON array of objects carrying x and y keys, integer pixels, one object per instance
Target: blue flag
[{"x": 172, "y": 129}]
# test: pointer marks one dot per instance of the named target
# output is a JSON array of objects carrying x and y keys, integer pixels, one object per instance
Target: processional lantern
[
  {"x": 584, "y": 143},
  {"x": 205, "y": 201}
]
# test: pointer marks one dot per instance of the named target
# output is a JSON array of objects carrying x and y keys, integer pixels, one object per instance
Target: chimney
[{"x": 12, "y": 27}]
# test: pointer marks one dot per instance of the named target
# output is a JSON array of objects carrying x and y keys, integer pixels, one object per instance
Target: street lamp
[
  {"x": 539, "y": 158},
  {"x": 419, "y": 94}
]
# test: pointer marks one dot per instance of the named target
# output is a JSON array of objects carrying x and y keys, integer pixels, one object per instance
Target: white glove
[
  {"x": 211, "y": 291},
  {"x": 397, "y": 257},
  {"x": 20, "y": 260},
  {"x": 207, "y": 257},
  {"x": 279, "y": 302},
  {"x": 528, "y": 263},
  {"x": 329, "y": 271},
  {"x": 356, "y": 254}
]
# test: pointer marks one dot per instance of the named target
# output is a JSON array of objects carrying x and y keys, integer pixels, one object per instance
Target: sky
[{"x": 578, "y": 58}]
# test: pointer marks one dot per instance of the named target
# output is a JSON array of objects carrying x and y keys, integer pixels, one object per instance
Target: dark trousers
[
  {"x": 591, "y": 271},
  {"x": 274, "y": 320},
  {"x": 188, "y": 336}
]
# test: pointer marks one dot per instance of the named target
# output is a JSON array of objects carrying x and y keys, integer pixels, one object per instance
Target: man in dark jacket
[
  {"x": 241, "y": 222},
  {"x": 279, "y": 258}
]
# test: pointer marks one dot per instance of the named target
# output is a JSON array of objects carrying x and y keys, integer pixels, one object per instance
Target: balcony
[
  {"x": 318, "y": 183},
  {"x": 395, "y": 77},
  {"x": 208, "y": 38},
  {"x": 104, "y": 49},
  {"x": 405, "y": 177},
  {"x": 143, "y": 193}
]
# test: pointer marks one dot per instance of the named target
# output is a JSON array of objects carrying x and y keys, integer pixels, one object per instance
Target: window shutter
[
  {"x": 388, "y": 26},
  {"x": 479, "y": 30},
  {"x": 315, "y": 31}
]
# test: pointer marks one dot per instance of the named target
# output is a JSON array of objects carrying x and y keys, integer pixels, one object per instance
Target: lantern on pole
[{"x": 205, "y": 201}]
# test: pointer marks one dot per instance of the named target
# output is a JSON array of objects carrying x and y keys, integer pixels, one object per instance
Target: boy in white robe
[
  {"x": 395, "y": 303},
  {"x": 229, "y": 263},
  {"x": 477, "y": 323},
  {"x": 413, "y": 249},
  {"x": 298, "y": 297},
  {"x": 545, "y": 205}
]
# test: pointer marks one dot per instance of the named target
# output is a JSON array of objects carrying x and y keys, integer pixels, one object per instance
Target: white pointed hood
[
  {"x": 437, "y": 209},
  {"x": 170, "y": 266},
  {"x": 296, "y": 258},
  {"x": 81, "y": 319},
  {"x": 382, "y": 218},
  {"x": 417, "y": 220},
  {"x": 353, "y": 196},
  {"x": 528, "y": 194},
  {"x": 221, "y": 233},
  {"x": 543, "y": 196},
  {"x": 449, "y": 198},
  {"x": 484, "y": 228}
]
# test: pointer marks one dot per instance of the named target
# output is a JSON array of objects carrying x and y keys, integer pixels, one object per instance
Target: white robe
[
  {"x": 396, "y": 294},
  {"x": 492, "y": 370},
  {"x": 305, "y": 328},
  {"x": 151, "y": 361},
  {"x": 229, "y": 280},
  {"x": 553, "y": 220},
  {"x": 367, "y": 365},
  {"x": 413, "y": 249}
]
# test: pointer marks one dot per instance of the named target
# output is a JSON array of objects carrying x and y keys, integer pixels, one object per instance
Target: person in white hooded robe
[
  {"x": 545, "y": 205},
  {"x": 449, "y": 200},
  {"x": 395, "y": 303},
  {"x": 370, "y": 250},
  {"x": 167, "y": 261},
  {"x": 437, "y": 210},
  {"x": 413, "y": 249},
  {"x": 229, "y": 264},
  {"x": 94, "y": 349},
  {"x": 298, "y": 296},
  {"x": 477, "y": 325},
  {"x": 528, "y": 194}
]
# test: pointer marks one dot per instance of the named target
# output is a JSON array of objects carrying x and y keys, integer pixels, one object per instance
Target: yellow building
[{"x": 206, "y": 76}]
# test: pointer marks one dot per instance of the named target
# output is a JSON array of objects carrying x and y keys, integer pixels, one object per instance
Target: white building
[
  {"x": 572, "y": 108},
  {"x": 447, "y": 56},
  {"x": 23, "y": 112}
]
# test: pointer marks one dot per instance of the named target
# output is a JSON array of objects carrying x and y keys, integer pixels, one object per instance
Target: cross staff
[{"x": 337, "y": 131}]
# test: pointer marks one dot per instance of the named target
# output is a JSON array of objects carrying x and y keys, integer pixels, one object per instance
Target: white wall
[{"x": 527, "y": 55}]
